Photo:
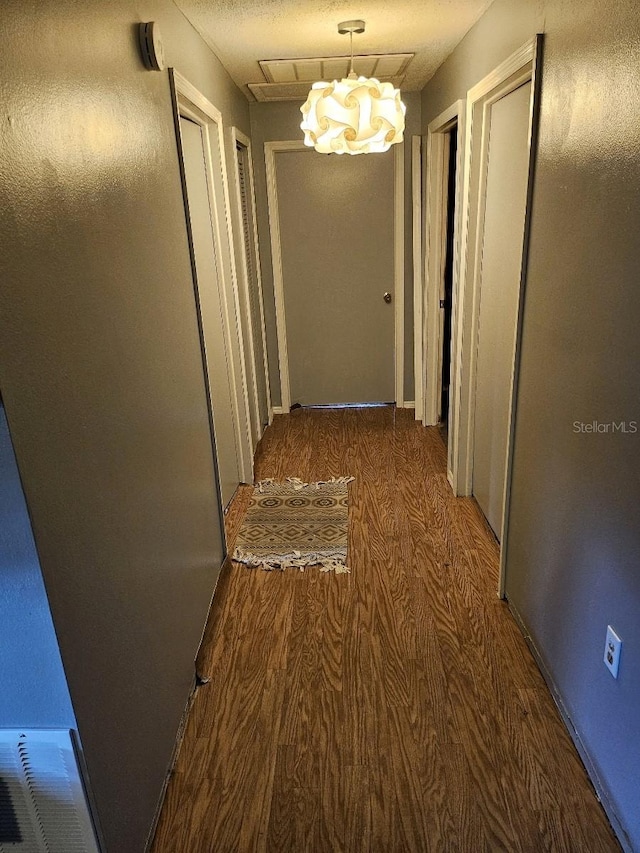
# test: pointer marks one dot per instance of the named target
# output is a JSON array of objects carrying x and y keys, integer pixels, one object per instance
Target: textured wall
[
  {"x": 504, "y": 27},
  {"x": 101, "y": 374},
  {"x": 281, "y": 121},
  {"x": 574, "y": 539}
]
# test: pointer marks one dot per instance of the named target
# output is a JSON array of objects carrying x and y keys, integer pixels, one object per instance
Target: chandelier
[{"x": 355, "y": 115}]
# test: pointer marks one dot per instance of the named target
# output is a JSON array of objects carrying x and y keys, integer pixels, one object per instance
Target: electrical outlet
[{"x": 612, "y": 647}]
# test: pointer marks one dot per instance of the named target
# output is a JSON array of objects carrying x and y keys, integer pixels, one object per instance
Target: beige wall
[
  {"x": 574, "y": 541},
  {"x": 504, "y": 27},
  {"x": 101, "y": 374},
  {"x": 281, "y": 121}
]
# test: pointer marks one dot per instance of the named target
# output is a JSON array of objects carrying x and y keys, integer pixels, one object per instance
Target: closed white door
[
  {"x": 503, "y": 235},
  {"x": 209, "y": 290},
  {"x": 337, "y": 244}
]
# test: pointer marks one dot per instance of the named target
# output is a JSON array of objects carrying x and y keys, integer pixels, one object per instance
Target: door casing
[
  {"x": 239, "y": 138},
  {"x": 417, "y": 245},
  {"x": 522, "y": 66},
  {"x": 272, "y": 149},
  {"x": 436, "y": 154},
  {"x": 188, "y": 101}
]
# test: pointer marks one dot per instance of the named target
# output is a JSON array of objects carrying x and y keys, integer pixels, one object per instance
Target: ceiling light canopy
[{"x": 355, "y": 115}]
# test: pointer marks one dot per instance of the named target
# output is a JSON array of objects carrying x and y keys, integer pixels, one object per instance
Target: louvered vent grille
[
  {"x": 42, "y": 803},
  {"x": 330, "y": 67},
  {"x": 298, "y": 90},
  {"x": 290, "y": 79},
  {"x": 255, "y": 315}
]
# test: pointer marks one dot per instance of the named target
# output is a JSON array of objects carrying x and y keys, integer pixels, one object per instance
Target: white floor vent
[{"x": 42, "y": 803}]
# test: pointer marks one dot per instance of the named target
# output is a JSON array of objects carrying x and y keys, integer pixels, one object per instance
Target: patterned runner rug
[{"x": 296, "y": 524}]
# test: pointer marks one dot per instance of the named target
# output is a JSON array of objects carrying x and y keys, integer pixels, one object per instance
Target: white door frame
[
  {"x": 271, "y": 149},
  {"x": 398, "y": 269},
  {"x": 418, "y": 270},
  {"x": 521, "y": 67},
  {"x": 188, "y": 101},
  {"x": 436, "y": 195},
  {"x": 241, "y": 139}
]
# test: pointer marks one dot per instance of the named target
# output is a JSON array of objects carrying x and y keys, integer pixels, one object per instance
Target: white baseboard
[
  {"x": 409, "y": 404},
  {"x": 280, "y": 410}
]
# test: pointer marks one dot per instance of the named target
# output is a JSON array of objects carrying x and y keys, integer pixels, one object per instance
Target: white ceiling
[{"x": 243, "y": 33}]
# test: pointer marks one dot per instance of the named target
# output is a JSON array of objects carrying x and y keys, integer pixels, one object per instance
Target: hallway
[{"x": 393, "y": 709}]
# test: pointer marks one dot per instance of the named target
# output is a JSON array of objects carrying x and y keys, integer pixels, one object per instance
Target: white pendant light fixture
[{"x": 355, "y": 115}]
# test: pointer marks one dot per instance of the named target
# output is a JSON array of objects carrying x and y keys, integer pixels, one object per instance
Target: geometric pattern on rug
[{"x": 295, "y": 525}]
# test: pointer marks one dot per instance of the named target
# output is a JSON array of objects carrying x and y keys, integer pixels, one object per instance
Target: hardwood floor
[{"x": 396, "y": 708}]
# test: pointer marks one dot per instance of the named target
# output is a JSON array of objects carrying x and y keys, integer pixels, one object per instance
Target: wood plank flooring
[{"x": 393, "y": 709}]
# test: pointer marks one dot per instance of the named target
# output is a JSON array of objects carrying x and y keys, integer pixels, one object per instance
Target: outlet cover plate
[{"x": 612, "y": 647}]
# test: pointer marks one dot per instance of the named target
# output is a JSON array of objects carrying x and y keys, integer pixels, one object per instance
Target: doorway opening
[
  {"x": 445, "y": 177},
  {"x": 446, "y": 303}
]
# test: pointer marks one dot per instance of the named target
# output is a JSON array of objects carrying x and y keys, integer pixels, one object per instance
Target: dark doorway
[{"x": 448, "y": 281}]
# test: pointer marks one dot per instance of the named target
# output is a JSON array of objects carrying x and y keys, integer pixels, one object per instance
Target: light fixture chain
[{"x": 351, "y": 71}]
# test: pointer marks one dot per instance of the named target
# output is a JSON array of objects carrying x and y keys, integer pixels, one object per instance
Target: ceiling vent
[{"x": 289, "y": 79}]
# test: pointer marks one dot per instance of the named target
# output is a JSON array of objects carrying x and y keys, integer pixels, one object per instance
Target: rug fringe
[
  {"x": 299, "y": 484},
  {"x": 293, "y": 561}
]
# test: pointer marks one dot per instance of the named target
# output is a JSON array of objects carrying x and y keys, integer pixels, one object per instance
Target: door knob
[{"x": 387, "y": 297}]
